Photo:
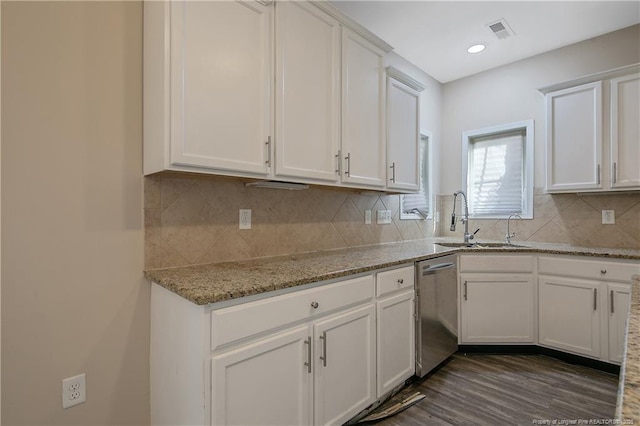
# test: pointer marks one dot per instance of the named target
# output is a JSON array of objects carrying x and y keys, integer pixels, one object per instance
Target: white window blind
[
  {"x": 496, "y": 174},
  {"x": 419, "y": 202}
]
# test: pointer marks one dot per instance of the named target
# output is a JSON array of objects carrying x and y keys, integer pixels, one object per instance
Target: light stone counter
[
  {"x": 629, "y": 390},
  {"x": 217, "y": 282}
]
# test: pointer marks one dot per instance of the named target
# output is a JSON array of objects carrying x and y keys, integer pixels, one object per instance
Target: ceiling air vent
[{"x": 501, "y": 29}]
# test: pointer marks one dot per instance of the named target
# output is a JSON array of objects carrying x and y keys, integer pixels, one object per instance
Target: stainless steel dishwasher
[{"x": 436, "y": 312}]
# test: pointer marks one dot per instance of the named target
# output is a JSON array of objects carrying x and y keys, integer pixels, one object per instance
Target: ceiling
[{"x": 435, "y": 35}]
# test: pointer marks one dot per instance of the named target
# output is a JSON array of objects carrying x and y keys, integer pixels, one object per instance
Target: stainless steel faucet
[
  {"x": 509, "y": 234},
  {"x": 465, "y": 219}
]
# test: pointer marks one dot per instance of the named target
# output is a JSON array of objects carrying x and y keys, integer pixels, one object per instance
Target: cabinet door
[
  {"x": 619, "y": 297},
  {"x": 625, "y": 132},
  {"x": 363, "y": 144},
  {"x": 496, "y": 308},
  {"x": 220, "y": 85},
  {"x": 346, "y": 365},
  {"x": 395, "y": 340},
  {"x": 569, "y": 315},
  {"x": 307, "y": 92},
  {"x": 574, "y": 138},
  {"x": 403, "y": 134},
  {"x": 266, "y": 382}
]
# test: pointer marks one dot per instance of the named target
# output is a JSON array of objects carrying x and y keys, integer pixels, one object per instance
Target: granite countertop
[
  {"x": 218, "y": 282},
  {"x": 629, "y": 390}
]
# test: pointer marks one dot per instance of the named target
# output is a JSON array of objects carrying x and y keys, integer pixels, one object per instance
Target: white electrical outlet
[
  {"x": 74, "y": 390},
  {"x": 245, "y": 218},
  {"x": 608, "y": 217},
  {"x": 367, "y": 217},
  {"x": 384, "y": 217}
]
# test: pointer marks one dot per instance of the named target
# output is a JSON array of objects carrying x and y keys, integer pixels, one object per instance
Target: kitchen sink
[{"x": 480, "y": 245}]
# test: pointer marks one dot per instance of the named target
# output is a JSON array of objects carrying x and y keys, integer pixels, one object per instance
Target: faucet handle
[{"x": 474, "y": 233}]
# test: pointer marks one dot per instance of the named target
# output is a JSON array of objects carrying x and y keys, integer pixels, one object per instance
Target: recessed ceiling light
[{"x": 476, "y": 48}]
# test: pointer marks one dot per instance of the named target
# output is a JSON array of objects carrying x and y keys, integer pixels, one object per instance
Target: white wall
[
  {"x": 74, "y": 297},
  {"x": 509, "y": 94}
]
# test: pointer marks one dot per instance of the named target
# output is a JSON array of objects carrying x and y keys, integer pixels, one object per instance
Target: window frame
[
  {"x": 428, "y": 178},
  {"x": 528, "y": 162}
]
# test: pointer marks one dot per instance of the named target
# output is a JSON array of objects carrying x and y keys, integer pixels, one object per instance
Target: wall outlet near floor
[
  {"x": 74, "y": 390},
  {"x": 384, "y": 217},
  {"x": 608, "y": 217},
  {"x": 367, "y": 217},
  {"x": 245, "y": 218}
]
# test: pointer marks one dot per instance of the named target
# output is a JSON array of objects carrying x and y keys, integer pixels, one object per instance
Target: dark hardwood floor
[{"x": 480, "y": 389}]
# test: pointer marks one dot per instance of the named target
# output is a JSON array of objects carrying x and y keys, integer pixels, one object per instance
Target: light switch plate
[
  {"x": 608, "y": 217},
  {"x": 367, "y": 217},
  {"x": 384, "y": 217}
]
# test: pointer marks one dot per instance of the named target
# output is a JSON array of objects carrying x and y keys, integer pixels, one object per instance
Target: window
[
  {"x": 497, "y": 168},
  {"x": 418, "y": 205}
]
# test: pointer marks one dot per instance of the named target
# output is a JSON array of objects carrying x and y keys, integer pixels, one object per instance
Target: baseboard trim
[{"x": 539, "y": 350}]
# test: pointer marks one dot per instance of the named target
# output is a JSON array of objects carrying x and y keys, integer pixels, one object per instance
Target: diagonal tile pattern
[{"x": 195, "y": 220}]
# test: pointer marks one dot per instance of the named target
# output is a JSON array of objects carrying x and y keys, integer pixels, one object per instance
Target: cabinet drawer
[
  {"x": 496, "y": 263},
  {"x": 249, "y": 319},
  {"x": 396, "y": 279},
  {"x": 591, "y": 268}
]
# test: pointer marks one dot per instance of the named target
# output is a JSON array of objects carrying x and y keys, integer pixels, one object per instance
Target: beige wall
[{"x": 74, "y": 299}]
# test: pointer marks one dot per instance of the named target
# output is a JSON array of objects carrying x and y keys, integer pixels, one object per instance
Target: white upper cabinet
[
  {"x": 307, "y": 92},
  {"x": 593, "y": 138},
  {"x": 207, "y": 87},
  {"x": 403, "y": 131},
  {"x": 363, "y": 104},
  {"x": 625, "y": 132},
  {"x": 574, "y": 138}
]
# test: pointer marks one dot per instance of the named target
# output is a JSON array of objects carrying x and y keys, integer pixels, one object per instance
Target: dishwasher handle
[{"x": 431, "y": 269}]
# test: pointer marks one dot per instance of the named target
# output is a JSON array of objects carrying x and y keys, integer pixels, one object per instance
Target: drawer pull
[
  {"x": 603, "y": 271},
  {"x": 314, "y": 305},
  {"x": 595, "y": 299},
  {"x": 611, "y": 297},
  {"x": 324, "y": 348},
  {"x": 308, "y": 363},
  {"x": 400, "y": 281}
]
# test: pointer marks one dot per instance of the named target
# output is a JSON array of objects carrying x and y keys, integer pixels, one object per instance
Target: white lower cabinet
[
  {"x": 497, "y": 308},
  {"x": 299, "y": 358},
  {"x": 395, "y": 308},
  {"x": 344, "y": 363},
  {"x": 583, "y": 304},
  {"x": 569, "y": 315},
  {"x": 618, "y": 311},
  {"x": 265, "y": 382},
  {"x": 497, "y": 303}
]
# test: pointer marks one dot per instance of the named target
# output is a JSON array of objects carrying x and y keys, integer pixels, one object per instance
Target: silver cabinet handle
[
  {"x": 598, "y": 174},
  {"x": 268, "y": 144},
  {"x": 603, "y": 271},
  {"x": 324, "y": 348},
  {"x": 465, "y": 290},
  {"x": 308, "y": 363},
  {"x": 338, "y": 163},
  {"x": 595, "y": 299},
  {"x": 314, "y": 305},
  {"x": 400, "y": 280},
  {"x": 611, "y": 297},
  {"x": 614, "y": 178},
  {"x": 348, "y": 158},
  {"x": 393, "y": 171}
]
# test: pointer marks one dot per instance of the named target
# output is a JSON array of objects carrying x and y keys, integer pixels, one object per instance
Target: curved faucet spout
[{"x": 465, "y": 219}]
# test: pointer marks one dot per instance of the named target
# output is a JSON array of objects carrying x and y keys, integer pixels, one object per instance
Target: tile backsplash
[
  {"x": 195, "y": 220},
  {"x": 561, "y": 218},
  {"x": 192, "y": 221}
]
